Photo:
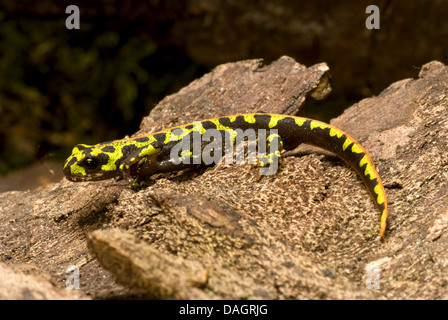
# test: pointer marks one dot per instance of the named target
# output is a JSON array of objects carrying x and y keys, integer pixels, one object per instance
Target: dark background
[{"x": 62, "y": 87}]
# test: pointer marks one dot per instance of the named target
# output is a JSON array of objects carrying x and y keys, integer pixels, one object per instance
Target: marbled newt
[{"x": 140, "y": 157}]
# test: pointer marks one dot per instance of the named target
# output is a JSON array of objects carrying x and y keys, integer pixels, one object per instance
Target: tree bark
[{"x": 308, "y": 232}]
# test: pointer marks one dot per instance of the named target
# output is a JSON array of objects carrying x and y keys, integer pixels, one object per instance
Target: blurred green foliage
[{"x": 61, "y": 87}]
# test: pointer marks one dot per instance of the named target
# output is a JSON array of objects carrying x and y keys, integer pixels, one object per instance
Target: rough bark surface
[
  {"x": 246, "y": 86},
  {"x": 310, "y": 231}
]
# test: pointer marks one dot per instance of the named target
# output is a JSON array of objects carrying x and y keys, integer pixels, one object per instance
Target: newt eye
[{"x": 90, "y": 163}]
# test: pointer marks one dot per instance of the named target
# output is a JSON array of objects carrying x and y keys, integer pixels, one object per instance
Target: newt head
[{"x": 91, "y": 162}]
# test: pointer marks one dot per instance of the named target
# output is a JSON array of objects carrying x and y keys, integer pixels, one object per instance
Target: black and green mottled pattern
[{"x": 140, "y": 157}]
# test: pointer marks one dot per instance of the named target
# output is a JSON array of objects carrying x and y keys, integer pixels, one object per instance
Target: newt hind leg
[{"x": 268, "y": 157}]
